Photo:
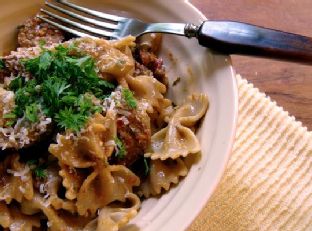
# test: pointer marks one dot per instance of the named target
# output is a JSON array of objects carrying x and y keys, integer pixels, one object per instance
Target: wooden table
[{"x": 289, "y": 84}]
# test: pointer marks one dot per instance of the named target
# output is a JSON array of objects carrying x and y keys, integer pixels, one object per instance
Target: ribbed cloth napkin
[{"x": 267, "y": 184}]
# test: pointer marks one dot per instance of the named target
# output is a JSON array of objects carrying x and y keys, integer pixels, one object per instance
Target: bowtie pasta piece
[
  {"x": 93, "y": 143},
  {"x": 16, "y": 180},
  {"x": 12, "y": 218},
  {"x": 72, "y": 180},
  {"x": 112, "y": 219},
  {"x": 178, "y": 138},
  {"x": 162, "y": 175},
  {"x": 103, "y": 186}
]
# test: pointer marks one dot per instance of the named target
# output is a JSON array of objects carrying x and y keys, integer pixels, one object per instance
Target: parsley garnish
[
  {"x": 68, "y": 118},
  {"x": 25, "y": 97},
  {"x": 2, "y": 64},
  {"x": 146, "y": 166},
  {"x": 42, "y": 42},
  {"x": 9, "y": 123},
  {"x": 31, "y": 162},
  {"x": 9, "y": 116},
  {"x": 40, "y": 170},
  {"x": 121, "y": 149},
  {"x": 16, "y": 83},
  {"x": 31, "y": 112},
  {"x": 63, "y": 81},
  {"x": 129, "y": 98}
]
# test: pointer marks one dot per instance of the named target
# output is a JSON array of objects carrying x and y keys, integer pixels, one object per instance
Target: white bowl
[{"x": 200, "y": 70}]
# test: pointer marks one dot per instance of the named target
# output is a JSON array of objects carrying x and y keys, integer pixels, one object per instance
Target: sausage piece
[
  {"x": 135, "y": 134},
  {"x": 35, "y": 30}
]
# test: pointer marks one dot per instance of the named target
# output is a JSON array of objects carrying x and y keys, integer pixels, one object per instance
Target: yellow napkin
[{"x": 267, "y": 184}]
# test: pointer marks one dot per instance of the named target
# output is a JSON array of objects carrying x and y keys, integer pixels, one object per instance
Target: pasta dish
[{"x": 86, "y": 130}]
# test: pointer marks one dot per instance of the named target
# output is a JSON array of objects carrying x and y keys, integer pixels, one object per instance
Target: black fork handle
[{"x": 245, "y": 39}]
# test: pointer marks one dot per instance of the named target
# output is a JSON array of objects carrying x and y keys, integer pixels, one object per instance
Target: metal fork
[{"x": 228, "y": 37}]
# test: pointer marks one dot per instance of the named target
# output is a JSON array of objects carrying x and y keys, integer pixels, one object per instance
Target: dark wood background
[{"x": 289, "y": 84}]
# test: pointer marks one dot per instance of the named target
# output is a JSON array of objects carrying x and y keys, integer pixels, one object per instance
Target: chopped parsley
[
  {"x": 121, "y": 149},
  {"x": 10, "y": 119},
  {"x": 40, "y": 170},
  {"x": 9, "y": 123},
  {"x": 63, "y": 82},
  {"x": 42, "y": 42},
  {"x": 67, "y": 118},
  {"x": 31, "y": 112},
  {"x": 31, "y": 163},
  {"x": 146, "y": 166},
  {"x": 175, "y": 82},
  {"x": 9, "y": 116},
  {"x": 16, "y": 83},
  {"x": 129, "y": 98},
  {"x": 2, "y": 64}
]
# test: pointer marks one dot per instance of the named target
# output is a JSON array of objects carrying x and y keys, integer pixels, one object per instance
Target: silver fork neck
[
  {"x": 170, "y": 28},
  {"x": 190, "y": 30}
]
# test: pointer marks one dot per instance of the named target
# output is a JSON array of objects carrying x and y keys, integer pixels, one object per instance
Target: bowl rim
[{"x": 197, "y": 211}]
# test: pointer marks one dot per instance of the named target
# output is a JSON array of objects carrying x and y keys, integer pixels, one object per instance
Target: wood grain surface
[{"x": 289, "y": 84}]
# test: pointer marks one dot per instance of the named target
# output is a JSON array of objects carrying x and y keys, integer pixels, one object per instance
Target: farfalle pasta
[
  {"x": 11, "y": 217},
  {"x": 87, "y": 132},
  {"x": 16, "y": 180},
  {"x": 177, "y": 139},
  {"x": 162, "y": 175}
]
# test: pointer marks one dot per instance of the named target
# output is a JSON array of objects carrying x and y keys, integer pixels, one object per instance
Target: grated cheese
[
  {"x": 21, "y": 173},
  {"x": 24, "y": 178},
  {"x": 23, "y": 133},
  {"x": 47, "y": 195},
  {"x": 41, "y": 188},
  {"x": 22, "y": 189},
  {"x": 110, "y": 143},
  {"x": 7, "y": 80},
  {"x": 125, "y": 120},
  {"x": 47, "y": 203},
  {"x": 123, "y": 112}
]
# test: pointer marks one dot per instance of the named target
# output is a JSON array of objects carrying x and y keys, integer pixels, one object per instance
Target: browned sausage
[
  {"x": 135, "y": 135},
  {"x": 34, "y": 30}
]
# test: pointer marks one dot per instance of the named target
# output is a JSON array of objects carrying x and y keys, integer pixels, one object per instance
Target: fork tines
[{"x": 107, "y": 28}]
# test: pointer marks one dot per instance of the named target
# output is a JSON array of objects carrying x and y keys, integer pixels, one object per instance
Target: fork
[{"x": 227, "y": 37}]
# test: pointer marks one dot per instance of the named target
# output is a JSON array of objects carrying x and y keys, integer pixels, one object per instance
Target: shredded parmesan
[
  {"x": 112, "y": 105},
  {"x": 58, "y": 139},
  {"x": 21, "y": 173},
  {"x": 125, "y": 120},
  {"x": 47, "y": 203},
  {"x": 43, "y": 124},
  {"x": 70, "y": 136},
  {"x": 123, "y": 112},
  {"x": 8, "y": 80},
  {"x": 22, "y": 189},
  {"x": 13, "y": 60},
  {"x": 110, "y": 143},
  {"x": 116, "y": 148},
  {"x": 41, "y": 188},
  {"x": 15, "y": 226},
  {"x": 10, "y": 171},
  {"x": 24, "y": 178},
  {"x": 121, "y": 179},
  {"x": 23, "y": 132}
]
